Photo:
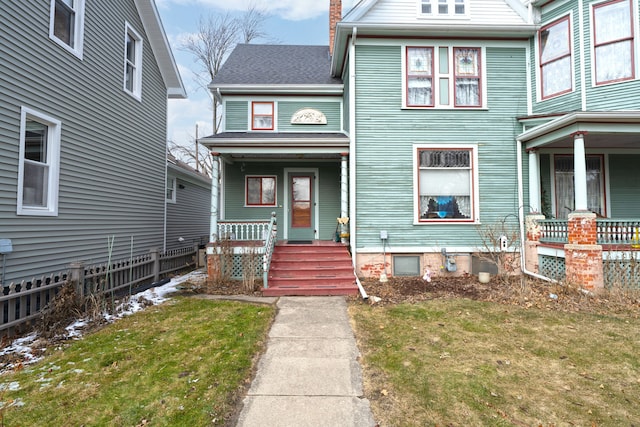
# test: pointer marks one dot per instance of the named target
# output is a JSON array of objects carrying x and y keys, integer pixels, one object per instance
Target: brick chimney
[{"x": 335, "y": 15}]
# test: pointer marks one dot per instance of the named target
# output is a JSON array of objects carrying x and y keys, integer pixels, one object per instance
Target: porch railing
[
  {"x": 608, "y": 231},
  {"x": 269, "y": 244},
  {"x": 243, "y": 230}
]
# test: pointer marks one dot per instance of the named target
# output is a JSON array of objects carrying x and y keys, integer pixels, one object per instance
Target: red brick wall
[{"x": 335, "y": 16}]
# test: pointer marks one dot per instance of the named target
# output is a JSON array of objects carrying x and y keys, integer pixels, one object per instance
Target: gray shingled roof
[{"x": 261, "y": 64}]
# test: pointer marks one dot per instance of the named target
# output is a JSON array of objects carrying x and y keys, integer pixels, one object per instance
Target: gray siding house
[
  {"x": 83, "y": 110},
  {"x": 430, "y": 123}
]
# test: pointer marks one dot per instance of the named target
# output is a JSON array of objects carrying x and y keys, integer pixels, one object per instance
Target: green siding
[
  {"x": 345, "y": 104},
  {"x": 236, "y": 115},
  {"x": 625, "y": 202},
  {"x": 113, "y": 147},
  {"x": 328, "y": 197},
  {"x": 386, "y": 134},
  {"x": 331, "y": 110},
  {"x": 546, "y": 182}
]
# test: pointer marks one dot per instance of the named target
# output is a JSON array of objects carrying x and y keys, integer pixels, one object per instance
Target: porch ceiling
[
  {"x": 609, "y": 129},
  {"x": 278, "y": 145}
]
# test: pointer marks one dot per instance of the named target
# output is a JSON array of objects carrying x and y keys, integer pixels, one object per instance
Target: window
[
  {"x": 431, "y": 81},
  {"x": 38, "y": 164},
  {"x": 554, "y": 43},
  {"x": 445, "y": 184},
  {"x": 261, "y": 190},
  {"x": 66, "y": 25},
  {"x": 613, "y": 41},
  {"x": 262, "y": 116},
  {"x": 406, "y": 265},
  {"x": 453, "y": 8},
  {"x": 419, "y": 76},
  {"x": 133, "y": 62},
  {"x": 564, "y": 189},
  {"x": 171, "y": 190}
]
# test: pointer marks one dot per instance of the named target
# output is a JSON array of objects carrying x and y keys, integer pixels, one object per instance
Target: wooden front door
[{"x": 302, "y": 205}]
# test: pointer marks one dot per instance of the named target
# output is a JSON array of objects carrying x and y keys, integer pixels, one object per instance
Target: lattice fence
[
  {"x": 623, "y": 272},
  {"x": 551, "y": 267}
]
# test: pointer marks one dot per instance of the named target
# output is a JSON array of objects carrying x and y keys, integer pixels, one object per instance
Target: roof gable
[{"x": 161, "y": 48}]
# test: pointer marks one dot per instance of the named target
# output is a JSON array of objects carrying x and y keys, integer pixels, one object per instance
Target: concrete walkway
[{"x": 309, "y": 375}]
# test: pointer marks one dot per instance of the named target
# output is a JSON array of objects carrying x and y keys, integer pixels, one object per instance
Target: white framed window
[
  {"x": 66, "y": 24},
  {"x": 262, "y": 116},
  {"x": 555, "y": 58},
  {"x": 133, "y": 62},
  {"x": 444, "y": 8},
  {"x": 39, "y": 163},
  {"x": 260, "y": 190},
  {"x": 443, "y": 77},
  {"x": 612, "y": 41},
  {"x": 171, "y": 190},
  {"x": 446, "y": 183}
]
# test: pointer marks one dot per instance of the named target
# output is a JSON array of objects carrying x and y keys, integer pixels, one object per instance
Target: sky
[{"x": 303, "y": 22}]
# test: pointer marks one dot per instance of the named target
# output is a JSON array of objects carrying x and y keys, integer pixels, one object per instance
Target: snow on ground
[{"x": 23, "y": 347}]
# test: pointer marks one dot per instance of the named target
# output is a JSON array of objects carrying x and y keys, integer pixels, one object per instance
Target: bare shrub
[
  {"x": 504, "y": 256},
  {"x": 250, "y": 261},
  {"x": 62, "y": 310},
  {"x": 222, "y": 268}
]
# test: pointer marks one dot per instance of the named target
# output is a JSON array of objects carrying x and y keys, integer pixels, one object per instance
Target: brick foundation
[{"x": 583, "y": 256}]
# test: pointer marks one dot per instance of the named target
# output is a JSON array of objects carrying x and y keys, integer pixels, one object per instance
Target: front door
[{"x": 301, "y": 206}]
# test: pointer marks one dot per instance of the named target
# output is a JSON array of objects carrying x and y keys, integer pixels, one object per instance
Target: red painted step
[{"x": 319, "y": 268}]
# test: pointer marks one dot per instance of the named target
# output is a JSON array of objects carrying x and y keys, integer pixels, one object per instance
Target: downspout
[
  {"x": 352, "y": 156},
  {"x": 523, "y": 264}
]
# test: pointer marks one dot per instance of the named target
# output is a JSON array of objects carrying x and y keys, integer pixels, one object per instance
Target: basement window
[{"x": 406, "y": 265}]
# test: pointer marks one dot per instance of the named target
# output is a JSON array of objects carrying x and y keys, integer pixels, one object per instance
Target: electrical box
[
  {"x": 384, "y": 235},
  {"x": 5, "y": 246}
]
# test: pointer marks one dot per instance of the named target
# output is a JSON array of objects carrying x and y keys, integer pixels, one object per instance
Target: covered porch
[
  {"x": 270, "y": 188},
  {"x": 583, "y": 185}
]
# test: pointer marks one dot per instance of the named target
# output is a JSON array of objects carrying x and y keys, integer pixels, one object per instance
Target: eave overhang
[
  {"x": 248, "y": 89},
  {"x": 423, "y": 30},
  {"x": 605, "y": 129}
]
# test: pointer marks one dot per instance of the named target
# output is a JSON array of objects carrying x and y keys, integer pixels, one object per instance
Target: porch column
[
  {"x": 533, "y": 234},
  {"x": 344, "y": 192},
  {"x": 534, "y": 182},
  {"x": 583, "y": 256},
  {"x": 215, "y": 196},
  {"x": 580, "y": 172}
]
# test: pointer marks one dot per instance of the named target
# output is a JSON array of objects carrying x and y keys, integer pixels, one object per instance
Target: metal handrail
[{"x": 269, "y": 245}]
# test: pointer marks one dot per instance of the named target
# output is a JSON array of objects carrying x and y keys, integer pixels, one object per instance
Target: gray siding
[
  {"x": 330, "y": 109},
  {"x": 189, "y": 216},
  {"x": 386, "y": 135},
  {"x": 112, "y": 160}
]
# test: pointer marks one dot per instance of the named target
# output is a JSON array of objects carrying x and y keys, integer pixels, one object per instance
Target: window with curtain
[
  {"x": 420, "y": 76},
  {"x": 443, "y": 77},
  {"x": 555, "y": 58},
  {"x": 261, "y": 190},
  {"x": 613, "y": 41},
  {"x": 467, "y": 77},
  {"x": 445, "y": 184},
  {"x": 262, "y": 115},
  {"x": 564, "y": 185}
]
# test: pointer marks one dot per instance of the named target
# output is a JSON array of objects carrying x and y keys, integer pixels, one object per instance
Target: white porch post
[
  {"x": 534, "y": 182},
  {"x": 580, "y": 172},
  {"x": 344, "y": 191},
  {"x": 215, "y": 195}
]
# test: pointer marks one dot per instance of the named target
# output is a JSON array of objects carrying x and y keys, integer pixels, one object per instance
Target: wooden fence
[{"x": 21, "y": 303}]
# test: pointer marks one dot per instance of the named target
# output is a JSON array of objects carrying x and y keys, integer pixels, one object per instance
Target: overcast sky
[{"x": 289, "y": 22}]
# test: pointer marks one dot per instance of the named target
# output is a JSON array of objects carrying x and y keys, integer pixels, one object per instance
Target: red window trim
[
  {"x": 472, "y": 194},
  {"x": 254, "y": 115},
  {"x": 543, "y": 64},
  {"x": 595, "y": 45},
  {"x": 261, "y": 177},
  {"x": 478, "y": 77},
  {"x": 408, "y": 75}
]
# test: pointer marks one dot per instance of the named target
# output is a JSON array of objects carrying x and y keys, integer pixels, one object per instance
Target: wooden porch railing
[
  {"x": 243, "y": 229},
  {"x": 269, "y": 244},
  {"x": 609, "y": 231}
]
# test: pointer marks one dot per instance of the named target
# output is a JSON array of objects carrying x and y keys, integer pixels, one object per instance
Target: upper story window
[
  {"x": 38, "y": 166},
  {"x": 133, "y": 62},
  {"x": 171, "y": 190},
  {"x": 260, "y": 190},
  {"x": 66, "y": 25},
  {"x": 554, "y": 41},
  {"x": 444, "y": 77},
  {"x": 445, "y": 183},
  {"x": 455, "y": 8},
  {"x": 613, "y": 41},
  {"x": 262, "y": 116}
]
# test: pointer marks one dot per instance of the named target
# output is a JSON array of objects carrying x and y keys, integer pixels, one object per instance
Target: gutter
[{"x": 523, "y": 265}]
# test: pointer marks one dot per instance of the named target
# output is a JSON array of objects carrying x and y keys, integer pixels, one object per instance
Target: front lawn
[
  {"x": 184, "y": 362},
  {"x": 459, "y": 362}
]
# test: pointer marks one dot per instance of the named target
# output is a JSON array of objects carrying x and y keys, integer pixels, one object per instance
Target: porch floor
[{"x": 318, "y": 267}]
